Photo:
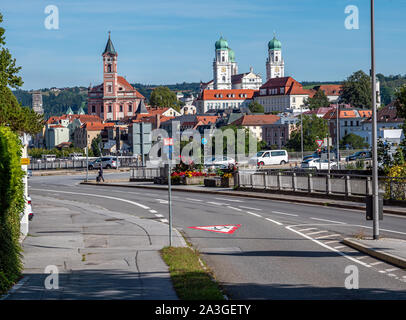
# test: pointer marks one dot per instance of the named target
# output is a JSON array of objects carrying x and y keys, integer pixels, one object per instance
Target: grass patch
[{"x": 191, "y": 280}]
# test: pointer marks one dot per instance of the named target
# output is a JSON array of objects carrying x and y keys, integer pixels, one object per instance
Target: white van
[{"x": 269, "y": 157}]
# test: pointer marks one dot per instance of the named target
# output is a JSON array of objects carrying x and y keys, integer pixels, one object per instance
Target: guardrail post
[
  {"x": 347, "y": 186},
  {"x": 310, "y": 185},
  {"x": 279, "y": 180},
  {"x": 265, "y": 175},
  {"x": 294, "y": 181},
  {"x": 328, "y": 184},
  {"x": 251, "y": 183},
  {"x": 368, "y": 187}
]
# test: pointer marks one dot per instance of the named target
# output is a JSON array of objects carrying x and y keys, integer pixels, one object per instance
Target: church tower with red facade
[{"x": 115, "y": 98}]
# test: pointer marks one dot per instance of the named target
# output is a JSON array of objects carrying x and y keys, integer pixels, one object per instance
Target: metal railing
[
  {"x": 340, "y": 184},
  {"x": 73, "y": 164},
  {"x": 144, "y": 173}
]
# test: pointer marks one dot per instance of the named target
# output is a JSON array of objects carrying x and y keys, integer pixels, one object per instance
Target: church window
[
  {"x": 109, "y": 68},
  {"x": 93, "y": 109},
  {"x": 224, "y": 78},
  {"x": 102, "y": 109},
  {"x": 110, "y": 89},
  {"x": 276, "y": 58}
]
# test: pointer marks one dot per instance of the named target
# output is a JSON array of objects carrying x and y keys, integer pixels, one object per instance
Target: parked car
[
  {"x": 269, "y": 157},
  {"x": 360, "y": 155},
  {"x": 29, "y": 173},
  {"x": 107, "y": 163},
  {"x": 218, "y": 161},
  {"x": 318, "y": 164},
  {"x": 312, "y": 156}
]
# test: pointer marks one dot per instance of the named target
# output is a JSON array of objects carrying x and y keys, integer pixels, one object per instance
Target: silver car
[{"x": 106, "y": 162}]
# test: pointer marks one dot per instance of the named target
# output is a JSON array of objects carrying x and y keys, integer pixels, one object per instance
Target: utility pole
[
  {"x": 338, "y": 135},
  {"x": 375, "y": 204},
  {"x": 87, "y": 164},
  {"x": 301, "y": 129}
]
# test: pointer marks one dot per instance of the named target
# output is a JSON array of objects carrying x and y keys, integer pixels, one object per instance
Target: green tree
[
  {"x": 96, "y": 142},
  {"x": 164, "y": 97},
  {"x": 356, "y": 90},
  {"x": 319, "y": 100},
  {"x": 256, "y": 107},
  {"x": 355, "y": 141},
  {"x": 313, "y": 128},
  {"x": 12, "y": 114}
]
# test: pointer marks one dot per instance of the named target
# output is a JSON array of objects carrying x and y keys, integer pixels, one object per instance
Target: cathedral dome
[
  {"x": 221, "y": 44},
  {"x": 274, "y": 44},
  {"x": 231, "y": 55}
]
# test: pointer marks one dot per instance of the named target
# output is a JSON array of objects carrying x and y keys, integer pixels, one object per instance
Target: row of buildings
[{"x": 115, "y": 105}]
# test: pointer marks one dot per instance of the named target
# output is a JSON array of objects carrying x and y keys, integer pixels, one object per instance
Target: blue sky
[{"x": 170, "y": 41}]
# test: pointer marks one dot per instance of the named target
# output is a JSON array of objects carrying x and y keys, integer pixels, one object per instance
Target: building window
[
  {"x": 102, "y": 109},
  {"x": 109, "y": 68},
  {"x": 121, "y": 108},
  {"x": 110, "y": 108},
  {"x": 130, "y": 108},
  {"x": 93, "y": 109},
  {"x": 110, "y": 89}
]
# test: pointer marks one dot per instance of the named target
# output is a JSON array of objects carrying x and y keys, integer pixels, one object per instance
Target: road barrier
[
  {"x": 73, "y": 164},
  {"x": 316, "y": 182},
  {"x": 145, "y": 174}
]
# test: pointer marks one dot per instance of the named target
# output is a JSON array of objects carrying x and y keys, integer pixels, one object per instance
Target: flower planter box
[
  {"x": 193, "y": 180},
  {"x": 227, "y": 182},
  {"x": 212, "y": 182}
]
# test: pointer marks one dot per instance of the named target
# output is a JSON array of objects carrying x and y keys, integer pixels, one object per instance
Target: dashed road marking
[
  {"x": 375, "y": 263},
  {"x": 328, "y": 220},
  {"x": 232, "y": 200},
  {"x": 328, "y": 236},
  {"x": 278, "y": 223},
  {"x": 159, "y": 215},
  {"x": 390, "y": 270},
  {"x": 307, "y": 229},
  {"x": 339, "y": 247},
  {"x": 360, "y": 258},
  {"x": 332, "y": 241},
  {"x": 215, "y": 203},
  {"x": 164, "y": 220},
  {"x": 153, "y": 211},
  {"x": 316, "y": 232},
  {"x": 234, "y": 208},
  {"x": 254, "y": 214},
  {"x": 250, "y": 208},
  {"x": 287, "y": 214}
]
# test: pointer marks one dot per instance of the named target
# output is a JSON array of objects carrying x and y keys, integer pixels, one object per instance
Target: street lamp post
[
  {"x": 301, "y": 129},
  {"x": 338, "y": 136},
  {"x": 374, "y": 132}
]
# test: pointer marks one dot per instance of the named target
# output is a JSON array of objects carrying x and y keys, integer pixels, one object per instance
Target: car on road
[
  {"x": 318, "y": 164},
  {"x": 360, "y": 155},
  {"x": 219, "y": 161},
  {"x": 106, "y": 162},
  {"x": 270, "y": 157}
]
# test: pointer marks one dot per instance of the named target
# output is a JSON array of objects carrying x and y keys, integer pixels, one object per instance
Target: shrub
[{"x": 11, "y": 205}]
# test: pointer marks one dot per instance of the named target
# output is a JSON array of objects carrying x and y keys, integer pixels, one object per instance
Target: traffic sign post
[{"x": 168, "y": 142}]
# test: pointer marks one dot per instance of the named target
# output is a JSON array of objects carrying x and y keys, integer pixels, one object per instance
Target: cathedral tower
[
  {"x": 275, "y": 66},
  {"x": 222, "y": 65}
]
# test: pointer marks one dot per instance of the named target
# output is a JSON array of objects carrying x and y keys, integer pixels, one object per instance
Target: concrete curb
[
  {"x": 390, "y": 258},
  {"x": 227, "y": 193}
]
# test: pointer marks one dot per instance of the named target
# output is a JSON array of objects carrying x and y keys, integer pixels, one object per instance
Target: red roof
[
  {"x": 256, "y": 120},
  {"x": 206, "y": 119},
  {"x": 330, "y": 89},
  {"x": 290, "y": 87},
  {"x": 229, "y": 94}
]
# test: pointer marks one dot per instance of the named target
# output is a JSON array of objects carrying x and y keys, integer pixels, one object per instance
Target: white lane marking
[
  {"x": 99, "y": 196},
  {"x": 328, "y": 236},
  {"x": 159, "y": 215},
  {"x": 339, "y": 247},
  {"x": 328, "y": 220},
  {"x": 255, "y": 214},
  {"x": 153, "y": 211},
  {"x": 380, "y": 229},
  {"x": 250, "y": 208},
  {"x": 191, "y": 199},
  {"x": 360, "y": 258},
  {"x": 332, "y": 241},
  {"x": 390, "y": 270},
  {"x": 316, "y": 232},
  {"x": 215, "y": 203},
  {"x": 232, "y": 200},
  {"x": 287, "y": 214},
  {"x": 162, "y": 201},
  {"x": 234, "y": 208},
  {"x": 164, "y": 220},
  {"x": 328, "y": 247},
  {"x": 278, "y": 223},
  {"x": 375, "y": 263},
  {"x": 392, "y": 275},
  {"x": 382, "y": 271},
  {"x": 307, "y": 229}
]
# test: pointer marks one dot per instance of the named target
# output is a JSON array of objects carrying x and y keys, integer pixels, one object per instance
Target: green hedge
[{"x": 11, "y": 206}]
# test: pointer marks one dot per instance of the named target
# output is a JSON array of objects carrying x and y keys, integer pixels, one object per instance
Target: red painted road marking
[{"x": 227, "y": 228}]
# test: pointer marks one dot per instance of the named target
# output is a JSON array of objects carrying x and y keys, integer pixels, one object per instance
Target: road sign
[
  {"x": 227, "y": 228},
  {"x": 168, "y": 141},
  {"x": 25, "y": 161},
  {"x": 204, "y": 141},
  {"x": 319, "y": 143}
]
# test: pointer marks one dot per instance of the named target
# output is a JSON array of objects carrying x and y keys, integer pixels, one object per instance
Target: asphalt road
[{"x": 280, "y": 250}]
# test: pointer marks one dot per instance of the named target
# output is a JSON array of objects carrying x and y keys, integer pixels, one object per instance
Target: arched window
[{"x": 109, "y": 68}]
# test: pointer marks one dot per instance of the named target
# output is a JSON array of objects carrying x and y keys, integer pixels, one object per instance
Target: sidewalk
[
  {"x": 390, "y": 250},
  {"x": 99, "y": 254},
  {"x": 252, "y": 194}
]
